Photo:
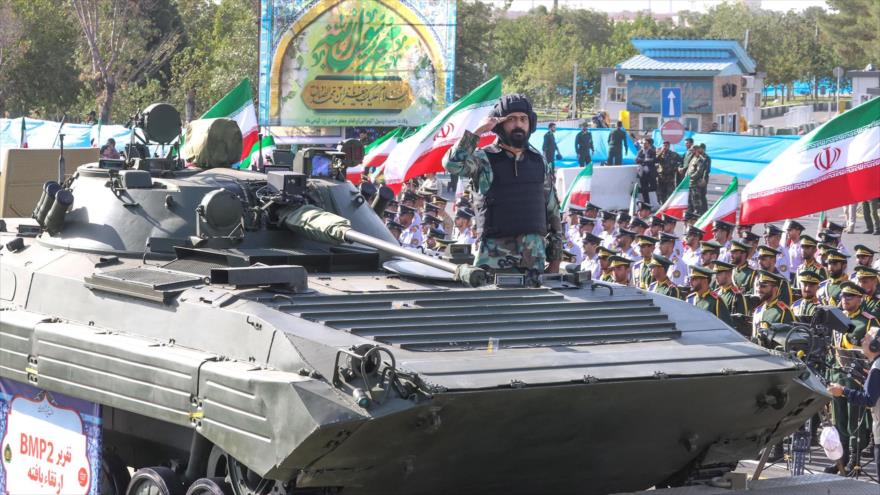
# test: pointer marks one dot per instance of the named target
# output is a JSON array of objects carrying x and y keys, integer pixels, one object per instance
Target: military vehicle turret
[{"x": 257, "y": 333}]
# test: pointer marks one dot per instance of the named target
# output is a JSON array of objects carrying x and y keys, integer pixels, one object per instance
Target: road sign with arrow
[{"x": 670, "y": 102}]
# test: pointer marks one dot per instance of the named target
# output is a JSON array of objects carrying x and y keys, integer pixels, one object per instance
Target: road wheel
[
  {"x": 155, "y": 481},
  {"x": 210, "y": 486}
]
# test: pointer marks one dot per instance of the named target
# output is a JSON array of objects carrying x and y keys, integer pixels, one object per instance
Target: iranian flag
[
  {"x": 375, "y": 154},
  {"x": 239, "y": 106},
  {"x": 836, "y": 164},
  {"x": 579, "y": 192},
  {"x": 724, "y": 209},
  {"x": 422, "y": 153},
  {"x": 23, "y": 140},
  {"x": 252, "y": 160},
  {"x": 677, "y": 203}
]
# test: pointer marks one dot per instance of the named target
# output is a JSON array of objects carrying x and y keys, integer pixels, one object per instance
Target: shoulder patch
[
  {"x": 868, "y": 315},
  {"x": 781, "y": 305}
]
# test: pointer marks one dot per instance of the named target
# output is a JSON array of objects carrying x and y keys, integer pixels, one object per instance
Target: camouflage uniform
[{"x": 522, "y": 253}]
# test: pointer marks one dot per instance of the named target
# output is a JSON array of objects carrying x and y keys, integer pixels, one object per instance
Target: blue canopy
[{"x": 565, "y": 140}]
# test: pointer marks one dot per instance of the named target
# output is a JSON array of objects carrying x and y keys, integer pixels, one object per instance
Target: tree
[
  {"x": 852, "y": 28},
  {"x": 473, "y": 45},
  {"x": 123, "y": 49}
]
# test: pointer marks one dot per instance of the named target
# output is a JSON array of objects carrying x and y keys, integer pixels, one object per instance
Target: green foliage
[{"x": 853, "y": 31}]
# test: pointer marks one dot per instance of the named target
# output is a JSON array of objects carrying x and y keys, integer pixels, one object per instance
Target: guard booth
[{"x": 697, "y": 82}]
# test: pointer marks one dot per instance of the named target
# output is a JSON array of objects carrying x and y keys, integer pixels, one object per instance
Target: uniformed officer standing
[
  {"x": 698, "y": 170},
  {"x": 519, "y": 219},
  {"x": 864, "y": 257},
  {"x": 624, "y": 242},
  {"x": 829, "y": 289},
  {"x": 462, "y": 233},
  {"x": 641, "y": 270},
  {"x": 620, "y": 269},
  {"x": 609, "y": 229},
  {"x": 616, "y": 144},
  {"x": 808, "y": 252},
  {"x": 805, "y": 307},
  {"x": 691, "y": 255},
  {"x": 583, "y": 145},
  {"x": 772, "y": 309},
  {"x": 590, "y": 245},
  {"x": 791, "y": 242},
  {"x": 668, "y": 162},
  {"x": 723, "y": 231},
  {"x": 660, "y": 265},
  {"x": 743, "y": 274},
  {"x": 868, "y": 279},
  {"x": 732, "y": 297},
  {"x": 604, "y": 256},
  {"x": 550, "y": 149},
  {"x": 709, "y": 252},
  {"x": 703, "y": 297},
  {"x": 773, "y": 238},
  {"x": 666, "y": 247},
  {"x": 767, "y": 262}
]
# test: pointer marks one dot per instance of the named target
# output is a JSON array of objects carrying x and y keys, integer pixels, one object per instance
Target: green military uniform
[
  {"x": 708, "y": 300},
  {"x": 743, "y": 275},
  {"x": 829, "y": 289},
  {"x": 606, "y": 276},
  {"x": 850, "y": 420},
  {"x": 815, "y": 267},
  {"x": 773, "y": 311},
  {"x": 524, "y": 252},
  {"x": 803, "y": 308},
  {"x": 785, "y": 294},
  {"x": 642, "y": 277},
  {"x": 871, "y": 302},
  {"x": 698, "y": 171},
  {"x": 665, "y": 287}
]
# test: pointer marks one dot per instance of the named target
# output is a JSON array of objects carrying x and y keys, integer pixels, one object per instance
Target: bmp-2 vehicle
[{"x": 255, "y": 333}]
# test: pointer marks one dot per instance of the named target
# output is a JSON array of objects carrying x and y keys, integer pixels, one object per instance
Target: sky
[{"x": 663, "y": 6}]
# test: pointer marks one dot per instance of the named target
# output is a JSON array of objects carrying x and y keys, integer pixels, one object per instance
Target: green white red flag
[
  {"x": 836, "y": 164},
  {"x": 23, "y": 140},
  {"x": 422, "y": 153},
  {"x": 238, "y": 105},
  {"x": 375, "y": 154},
  {"x": 677, "y": 203},
  {"x": 724, "y": 209},
  {"x": 252, "y": 160},
  {"x": 579, "y": 191}
]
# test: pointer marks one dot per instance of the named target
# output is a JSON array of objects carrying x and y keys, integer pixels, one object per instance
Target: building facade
[
  {"x": 715, "y": 81},
  {"x": 865, "y": 84}
]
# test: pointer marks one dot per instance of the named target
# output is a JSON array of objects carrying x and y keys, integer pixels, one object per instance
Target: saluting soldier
[
  {"x": 808, "y": 247},
  {"x": 605, "y": 255},
  {"x": 730, "y": 293},
  {"x": 703, "y": 297},
  {"x": 829, "y": 289},
  {"x": 868, "y": 278},
  {"x": 805, "y": 307},
  {"x": 849, "y": 418},
  {"x": 678, "y": 270},
  {"x": 662, "y": 284},
  {"x": 620, "y": 269},
  {"x": 772, "y": 309},
  {"x": 864, "y": 257},
  {"x": 743, "y": 274},
  {"x": 641, "y": 271},
  {"x": 767, "y": 262}
]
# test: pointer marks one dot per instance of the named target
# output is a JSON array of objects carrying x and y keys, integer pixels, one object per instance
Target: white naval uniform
[
  {"x": 591, "y": 264},
  {"x": 608, "y": 239},
  {"x": 463, "y": 236},
  {"x": 412, "y": 236},
  {"x": 678, "y": 271},
  {"x": 724, "y": 253},
  {"x": 691, "y": 257}
]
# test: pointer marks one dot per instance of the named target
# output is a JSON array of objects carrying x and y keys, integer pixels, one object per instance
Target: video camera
[
  {"x": 810, "y": 340},
  {"x": 329, "y": 162}
]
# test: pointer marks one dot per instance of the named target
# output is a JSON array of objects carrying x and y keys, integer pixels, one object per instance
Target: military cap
[
  {"x": 660, "y": 260},
  {"x": 591, "y": 238},
  {"x": 638, "y": 222},
  {"x": 394, "y": 225},
  {"x": 389, "y": 214},
  {"x": 608, "y": 215},
  {"x": 464, "y": 213},
  {"x": 769, "y": 277},
  {"x": 445, "y": 242},
  {"x": 641, "y": 205},
  {"x": 722, "y": 225},
  {"x": 604, "y": 252},
  {"x": 765, "y": 250},
  {"x": 623, "y": 232},
  {"x": 463, "y": 201},
  {"x": 656, "y": 221},
  {"x": 669, "y": 219},
  {"x": 862, "y": 250},
  {"x": 827, "y": 235},
  {"x": 835, "y": 255},
  {"x": 851, "y": 288},
  {"x": 825, "y": 247},
  {"x": 835, "y": 227},
  {"x": 866, "y": 272},
  {"x": 428, "y": 218},
  {"x": 642, "y": 240},
  {"x": 808, "y": 241},
  {"x": 431, "y": 208},
  {"x": 575, "y": 210},
  {"x": 440, "y": 200},
  {"x": 771, "y": 229},
  {"x": 591, "y": 207},
  {"x": 721, "y": 266},
  {"x": 700, "y": 271},
  {"x": 623, "y": 216},
  {"x": 738, "y": 246},
  {"x": 809, "y": 276},
  {"x": 747, "y": 226},
  {"x": 751, "y": 237},
  {"x": 695, "y": 231},
  {"x": 664, "y": 237},
  {"x": 689, "y": 215},
  {"x": 794, "y": 224},
  {"x": 436, "y": 234},
  {"x": 410, "y": 196},
  {"x": 394, "y": 203},
  {"x": 568, "y": 254},
  {"x": 710, "y": 246},
  {"x": 618, "y": 260},
  {"x": 425, "y": 194},
  {"x": 586, "y": 221},
  {"x": 404, "y": 209}
]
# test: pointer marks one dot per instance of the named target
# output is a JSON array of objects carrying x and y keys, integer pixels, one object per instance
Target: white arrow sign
[{"x": 671, "y": 97}]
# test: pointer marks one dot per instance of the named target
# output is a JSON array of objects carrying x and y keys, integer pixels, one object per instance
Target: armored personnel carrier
[{"x": 263, "y": 333}]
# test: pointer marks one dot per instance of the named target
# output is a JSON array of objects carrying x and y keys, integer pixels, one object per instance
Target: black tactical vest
[{"x": 514, "y": 203}]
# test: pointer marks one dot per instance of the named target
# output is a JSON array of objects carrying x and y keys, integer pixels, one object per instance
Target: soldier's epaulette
[
  {"x": 868, "y": 315},
  {"x": 782, "y": 305},
  {"x": 713, "y": 294},
  {"x": 735, "y": 289}
]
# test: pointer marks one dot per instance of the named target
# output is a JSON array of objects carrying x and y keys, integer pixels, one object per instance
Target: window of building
[
  {"x": 691, "y": 123},
  {"x": 649, "y": 122},
  {"x": 617, "y": 93},
  {"x": 731, "y": 122}
]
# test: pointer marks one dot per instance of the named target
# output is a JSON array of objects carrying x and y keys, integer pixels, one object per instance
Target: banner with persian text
[{"x": 355, "y": 62}]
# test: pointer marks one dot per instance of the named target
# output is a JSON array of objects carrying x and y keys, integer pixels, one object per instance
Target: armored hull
[{"x": 190, "y": 348}]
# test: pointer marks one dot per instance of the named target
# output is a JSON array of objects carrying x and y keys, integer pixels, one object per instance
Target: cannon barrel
[{"x": 322, "y": 226}]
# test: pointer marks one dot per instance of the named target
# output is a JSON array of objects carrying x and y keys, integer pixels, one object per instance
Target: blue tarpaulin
[
  {"x": 565, "y": 140},
  {"x": 41, "y": 134}
]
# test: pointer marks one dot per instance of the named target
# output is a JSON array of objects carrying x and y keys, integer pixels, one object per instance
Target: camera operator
[
  {"x": 870, "y": 392},
  {"x": 848, "y": 418}
]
